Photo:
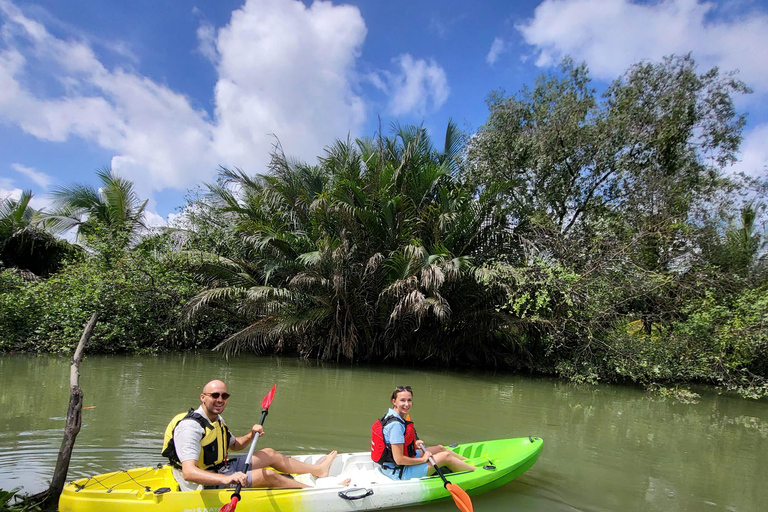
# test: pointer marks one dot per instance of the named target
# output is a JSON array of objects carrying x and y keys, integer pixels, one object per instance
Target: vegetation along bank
[{"x": 598, "y": 237}]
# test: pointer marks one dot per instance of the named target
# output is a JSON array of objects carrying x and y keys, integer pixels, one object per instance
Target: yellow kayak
[{"x": 153, "y": 489}]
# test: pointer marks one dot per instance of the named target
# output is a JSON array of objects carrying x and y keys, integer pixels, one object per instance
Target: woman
[{"x": 404, "y": 456}]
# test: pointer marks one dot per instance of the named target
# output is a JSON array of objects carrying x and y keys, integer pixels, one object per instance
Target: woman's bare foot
[
  {"x": 324, "y": 465},
  {"x": 345, "y": 482}
]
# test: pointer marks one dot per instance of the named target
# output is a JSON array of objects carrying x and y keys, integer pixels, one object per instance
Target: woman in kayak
[{"x": 405, "y": 456}]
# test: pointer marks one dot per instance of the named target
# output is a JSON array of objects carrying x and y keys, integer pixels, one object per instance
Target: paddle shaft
[
  {"x": 460, "y": 497},
  {"x": 230, "y": 507},
  {"x": 432, "y": 460},
  {"x": 251, "y": 449},
  {"x": 437, "y": 470}
]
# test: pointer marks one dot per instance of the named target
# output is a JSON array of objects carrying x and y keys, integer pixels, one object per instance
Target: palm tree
[
  {"x": 16, "y": 214},
  {"x": 368, "y": 254},
  {"x": 734, "y": 243},
  {"x": 113, "y": 211},
  {"x": 25, "y": 246}
]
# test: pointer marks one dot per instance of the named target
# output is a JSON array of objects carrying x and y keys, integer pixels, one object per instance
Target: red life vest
[{"x": 381, "y": 451}]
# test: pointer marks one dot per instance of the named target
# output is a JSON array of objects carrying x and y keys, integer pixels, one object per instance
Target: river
[{"x": 606, "y": 448}]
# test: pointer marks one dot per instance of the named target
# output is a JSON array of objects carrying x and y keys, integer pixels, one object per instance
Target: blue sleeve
[{"x": 394, "y": 433}]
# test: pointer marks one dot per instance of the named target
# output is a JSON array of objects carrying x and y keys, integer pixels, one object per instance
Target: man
[{"x": 197, "y": 444}]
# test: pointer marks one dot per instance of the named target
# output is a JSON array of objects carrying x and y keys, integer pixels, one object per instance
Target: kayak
[{"x": 154, "y": 488}]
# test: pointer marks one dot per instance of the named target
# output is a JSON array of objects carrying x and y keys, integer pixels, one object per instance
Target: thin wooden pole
[{"x": 74, "y": 418}]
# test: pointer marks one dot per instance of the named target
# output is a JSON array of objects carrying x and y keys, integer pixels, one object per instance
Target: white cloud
[
  {"x": 6, "y": 188},
  {"x": 419, "y": 87},
  {"x": 497, "y": 47},
  {"x": 376, "y": 80},
  {"x": 206, "y": 37},
  {"x": 753, "y": 160},
  {"x": 284, "y": 69},
  {"x": 159, "y": 139},
  {"x": 38, "y": 177},
  {"x": 153, "y": 220},
  {"x": 611, "y": 35},
  {"x": 8, "y": 192}
]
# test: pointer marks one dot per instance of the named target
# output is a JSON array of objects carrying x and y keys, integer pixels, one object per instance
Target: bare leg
[
  {"x": 440, "y": 448},
  {"x": 268, "y": 478},
  {"x": 451, "y": 460},
  {"x": 269, "y": 457}
]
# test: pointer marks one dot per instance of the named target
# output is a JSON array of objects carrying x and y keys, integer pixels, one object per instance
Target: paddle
[
  {"x": 230, "y": 507},
  {"x": 459, "y": 495}
]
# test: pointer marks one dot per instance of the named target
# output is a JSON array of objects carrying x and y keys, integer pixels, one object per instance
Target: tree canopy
[{"x": 594, "y": 236}]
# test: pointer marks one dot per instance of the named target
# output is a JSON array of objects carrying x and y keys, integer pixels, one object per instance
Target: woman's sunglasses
[
  {"x": 216, "y": 395},
  {"x": 403, "y": 388}
]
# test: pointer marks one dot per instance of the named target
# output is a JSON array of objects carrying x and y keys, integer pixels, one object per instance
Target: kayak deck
[{"x": 155, "y": 489}]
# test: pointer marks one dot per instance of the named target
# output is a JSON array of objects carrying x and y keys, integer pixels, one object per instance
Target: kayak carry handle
[{"x": 347, "y": 495}]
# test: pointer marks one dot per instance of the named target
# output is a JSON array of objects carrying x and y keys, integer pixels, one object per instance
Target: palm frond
[{"x": 207, "y": 297}]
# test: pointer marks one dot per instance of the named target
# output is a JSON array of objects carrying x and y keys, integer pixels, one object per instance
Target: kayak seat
[
  {"x": 305, "y": 478},
  {"x": 355, "y": 466}
]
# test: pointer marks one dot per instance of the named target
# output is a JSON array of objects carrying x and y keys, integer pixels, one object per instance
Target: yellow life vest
[{"x": 213, "y": 446}]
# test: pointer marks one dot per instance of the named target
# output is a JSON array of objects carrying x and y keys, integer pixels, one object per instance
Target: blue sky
[{"x": 166, "y": 91}]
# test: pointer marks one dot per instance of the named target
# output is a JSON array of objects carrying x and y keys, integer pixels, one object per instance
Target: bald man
[{"x": 197, "y": 444}]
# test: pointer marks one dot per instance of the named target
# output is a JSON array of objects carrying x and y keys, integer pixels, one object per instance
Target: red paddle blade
[
  {"x": 268, "y": 400},
  {"x": 229, "y": 507},
  {"x": 460, "y": 497}
]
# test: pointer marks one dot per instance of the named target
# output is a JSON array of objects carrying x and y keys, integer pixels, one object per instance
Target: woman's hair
[{"x": 400, "y": 389}]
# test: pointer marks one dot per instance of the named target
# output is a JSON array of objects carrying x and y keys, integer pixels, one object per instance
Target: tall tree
[
  {"x": 106, "y": 218},
  {"x": 350, "y": 257},
  {"x": 678, "y": 130},
  {"x": 633, "y": 162}
]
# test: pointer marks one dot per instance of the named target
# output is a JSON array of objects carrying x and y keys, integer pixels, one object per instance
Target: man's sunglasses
[{"x": 216, "y": 395}]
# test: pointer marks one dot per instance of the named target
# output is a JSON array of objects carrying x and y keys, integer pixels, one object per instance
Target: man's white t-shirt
[{"x": 186, "y": 438}]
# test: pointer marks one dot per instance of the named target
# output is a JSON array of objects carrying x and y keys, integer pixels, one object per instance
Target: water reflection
[{"x": 606, "y": 448}]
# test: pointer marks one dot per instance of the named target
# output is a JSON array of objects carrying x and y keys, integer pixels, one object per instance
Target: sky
[{"x": 166, "y": 91}]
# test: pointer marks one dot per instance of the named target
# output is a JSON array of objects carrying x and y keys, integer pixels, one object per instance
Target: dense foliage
[
  {"x": 138, "y": 293},
  {"x": 139, "y": 299},
  {"x": 592, "y": 236},
  {"x": 371, "y": 254},
  {"x": 25, "y": 246}
]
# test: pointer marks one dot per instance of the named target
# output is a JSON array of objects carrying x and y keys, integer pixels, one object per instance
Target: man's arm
[
  {"x": 192, "y": 473},
  {"x": 186, "y": 438},
  {"x": 241, "y": 442}
]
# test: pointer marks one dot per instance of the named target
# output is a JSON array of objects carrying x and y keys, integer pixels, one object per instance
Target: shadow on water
[{"x": 606, "y": 448}]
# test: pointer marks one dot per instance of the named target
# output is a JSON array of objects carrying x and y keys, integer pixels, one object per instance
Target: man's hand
[
  {"x": 236, "y": 478},
  {"x": 192, "y": 473},
  {"x": 244, "y": 440}
]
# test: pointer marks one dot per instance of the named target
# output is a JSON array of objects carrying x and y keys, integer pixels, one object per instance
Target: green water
[{"x": 606, "y": 448}]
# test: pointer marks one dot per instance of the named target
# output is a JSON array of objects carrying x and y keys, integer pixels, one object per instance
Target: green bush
[
  {"x": 718, "y": 340},
  {"x": 138, "y": 297},
  {"x": 18, "y": 308}
]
